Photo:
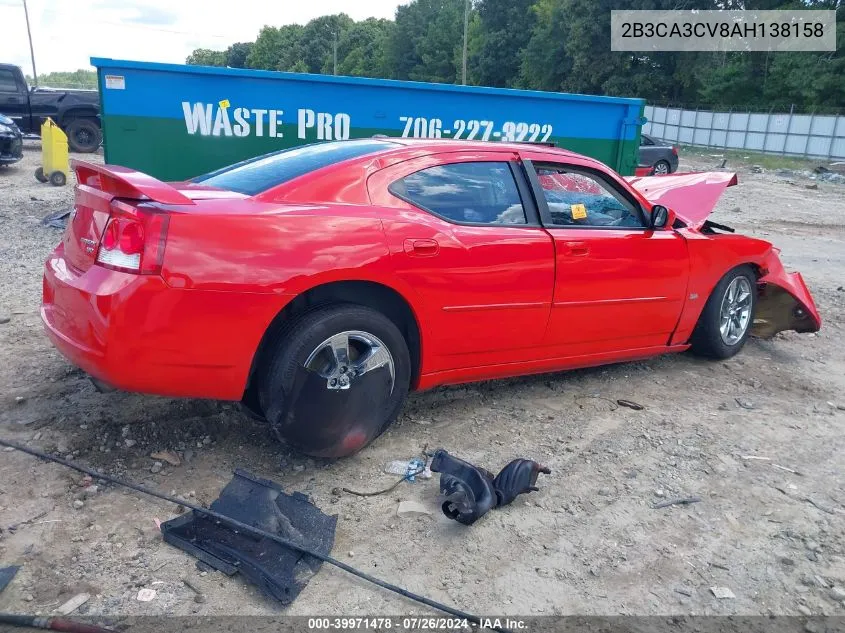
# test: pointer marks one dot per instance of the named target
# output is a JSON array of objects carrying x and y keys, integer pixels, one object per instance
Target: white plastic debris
[
  {"x": 146, "y": 595},
  {"x": 74, "y": 603},
  {"x": 412, "y": 509},
  {"x": 722, "y": 593}
]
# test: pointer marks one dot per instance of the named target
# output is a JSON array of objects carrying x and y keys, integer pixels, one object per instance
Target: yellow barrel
[{"x": 54, "y": 158}]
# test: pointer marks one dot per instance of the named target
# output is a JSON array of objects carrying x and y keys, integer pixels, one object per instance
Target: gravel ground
[{"x": 590, "y": 542}]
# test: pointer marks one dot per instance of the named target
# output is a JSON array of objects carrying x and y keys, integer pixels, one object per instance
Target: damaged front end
[{"x": 784, "y": 302}]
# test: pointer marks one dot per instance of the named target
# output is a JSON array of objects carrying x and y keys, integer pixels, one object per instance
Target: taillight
[
  {"x": 674, "y": 150},
  {"x": 133, "y": 240}
]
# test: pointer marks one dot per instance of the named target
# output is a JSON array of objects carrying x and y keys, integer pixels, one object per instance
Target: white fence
[{"x": 809, "y": 135}]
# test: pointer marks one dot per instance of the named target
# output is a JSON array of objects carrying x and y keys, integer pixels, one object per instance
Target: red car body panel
[
  {"x": 489, "y": 301},
  {"x": 691, "y": 196}
]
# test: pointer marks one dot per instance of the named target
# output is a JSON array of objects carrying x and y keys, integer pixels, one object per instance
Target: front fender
[{"x": 784, "y": 302}]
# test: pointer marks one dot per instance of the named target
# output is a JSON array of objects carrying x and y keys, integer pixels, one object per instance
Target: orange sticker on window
[{"x": 579, "y": 211}]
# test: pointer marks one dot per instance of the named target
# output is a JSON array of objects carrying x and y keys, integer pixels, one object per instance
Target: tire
[
  {"x": 83, "y": 135},
  {"x": 58, "y": 179},
  {"x": 314, "y": 433},
  {"x": 662, "y": 167},
  {"x": 708, "y": 338},
  {"x": 39, "y": 175}
]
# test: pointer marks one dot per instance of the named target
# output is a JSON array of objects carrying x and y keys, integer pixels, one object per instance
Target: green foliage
[
  {"x": 560, "y": 45},
  {"x": 237, "y": 53},
  {"x": 80, "y": 79},
  {"x": 206, "y": 57}
]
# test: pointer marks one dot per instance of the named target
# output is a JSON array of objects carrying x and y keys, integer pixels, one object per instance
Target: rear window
[{"x": 263, "y": 172}]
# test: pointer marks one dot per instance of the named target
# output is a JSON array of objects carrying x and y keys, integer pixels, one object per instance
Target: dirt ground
[{"x": 590, "y": 542}]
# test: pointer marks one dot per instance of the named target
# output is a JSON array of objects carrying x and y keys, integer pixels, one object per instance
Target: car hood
[
  {"x": 5, "y": 120},
  {"x": 691, "y": 196}
]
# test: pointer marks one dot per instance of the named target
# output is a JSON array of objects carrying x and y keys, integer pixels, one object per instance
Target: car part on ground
[
  {"x": 470, "y": 491},
  {"x": 345, "y": 365},
  {"x": 278, "y": 571},
  {"x": 11, "y": 141},
  {"x": 518, "y": 477},
  {"x": 258, "y": 532},
  {"x": 7, "y": 574}
]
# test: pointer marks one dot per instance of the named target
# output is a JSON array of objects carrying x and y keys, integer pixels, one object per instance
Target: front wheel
[
  {"x": 335, "y": 380},
  {"x": 725, "y": 323}
]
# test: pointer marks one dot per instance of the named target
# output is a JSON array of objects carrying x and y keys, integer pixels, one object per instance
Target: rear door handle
[
  {"x": 577, "y": 249},
  {"x": 422, "y": 247}
]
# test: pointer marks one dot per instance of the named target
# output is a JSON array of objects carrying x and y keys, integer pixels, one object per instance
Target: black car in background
[
  {"x": 11, "y": 141},
  {"x": 661, "y": 156}
]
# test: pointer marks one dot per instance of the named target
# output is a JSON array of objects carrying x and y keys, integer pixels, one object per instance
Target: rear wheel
[
  {"x": 725, "y": 323},
  {"x": 39, "y": 175},
  {"x": 662, "y": 167},
  {"x": 335, "y": 380},
  {"x": 83, "y": 135}
]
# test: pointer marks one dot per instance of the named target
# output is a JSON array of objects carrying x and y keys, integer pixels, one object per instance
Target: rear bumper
[{"x": 138, "y": 334}]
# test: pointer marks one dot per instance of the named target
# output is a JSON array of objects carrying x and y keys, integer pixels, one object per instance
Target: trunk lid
[
  {"x": 691, "y": 196},
  {"x": 98, "y": 188}
]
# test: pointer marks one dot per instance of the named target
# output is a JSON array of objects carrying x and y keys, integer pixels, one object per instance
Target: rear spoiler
[{"x": 122, "y": 182}]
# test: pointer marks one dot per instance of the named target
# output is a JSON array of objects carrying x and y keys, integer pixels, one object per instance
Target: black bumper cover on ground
[{"x": 278, "y": 571}]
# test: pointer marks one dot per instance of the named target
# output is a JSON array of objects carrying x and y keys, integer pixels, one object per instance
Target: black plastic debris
[
  {"x": 468, "y": 489},
  {"x": 57, "y": 220},
  {"x": 6, "y": 575},
  {"x": 280, "y": 572},
  {"x": 471, "y": 491},
  {"x": 518, "y": 477}
]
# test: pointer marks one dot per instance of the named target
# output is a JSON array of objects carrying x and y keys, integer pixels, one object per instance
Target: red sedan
[{"x": 320, "y": 284}]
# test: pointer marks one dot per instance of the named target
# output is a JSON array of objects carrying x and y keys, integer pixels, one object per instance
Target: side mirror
[{"x": 661, "y": 218}]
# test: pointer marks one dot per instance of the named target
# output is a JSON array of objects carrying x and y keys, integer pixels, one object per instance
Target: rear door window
[
  {"x": 7, "y": 81},
  {"x": 259, "y": 174},
  {"x": 466, "y": 193}
]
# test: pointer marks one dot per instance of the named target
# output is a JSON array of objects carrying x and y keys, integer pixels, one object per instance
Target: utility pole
[
  {"x": 31, "y": 50},
  {"x": 464, "y": 57},
  {"x": 334, "y": 50}
]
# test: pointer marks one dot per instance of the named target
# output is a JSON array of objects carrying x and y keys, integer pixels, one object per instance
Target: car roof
[{"x": 398, "y": 149}]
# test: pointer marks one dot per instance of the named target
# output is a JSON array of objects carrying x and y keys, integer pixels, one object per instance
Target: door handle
[
  {"x": 577, "y": 249},
  {"x": 421, "y": 247},
  {"x": 13, "y": 100}
]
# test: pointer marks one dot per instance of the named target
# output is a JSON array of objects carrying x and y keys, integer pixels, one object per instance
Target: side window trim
[
  {"x": 545, "y": 214},
  {"x": 528, "y": 207}
]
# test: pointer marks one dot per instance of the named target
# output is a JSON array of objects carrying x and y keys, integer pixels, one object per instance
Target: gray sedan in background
[{"x": 661, "y": 156}]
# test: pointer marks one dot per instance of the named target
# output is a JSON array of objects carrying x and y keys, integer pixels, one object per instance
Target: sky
[{"x": 67, "y": 33}]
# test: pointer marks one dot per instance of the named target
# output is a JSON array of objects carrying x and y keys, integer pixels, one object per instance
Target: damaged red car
[{"x": 319, "y": 284}]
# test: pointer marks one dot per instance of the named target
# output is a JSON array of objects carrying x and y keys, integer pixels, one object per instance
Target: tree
[
  {"x": 427, "y": 40},
  {"x": 505, "y": 28},
  {"x": 80, "y": 79},
  {"x": 206, "y": 57},
  {"x": 320, "y": 35},
  {"x": 277, "y": 48},
  {"x": 237, "y": 54},
  {"x": 362, "y": 49}
]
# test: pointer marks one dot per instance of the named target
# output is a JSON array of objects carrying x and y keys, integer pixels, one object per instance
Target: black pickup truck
[{"x": 77, "y": 112}]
